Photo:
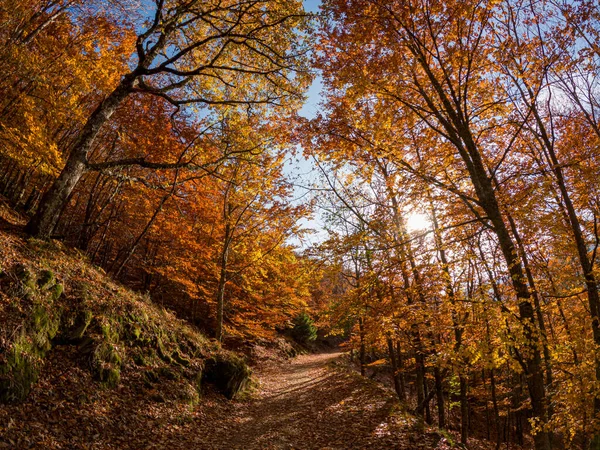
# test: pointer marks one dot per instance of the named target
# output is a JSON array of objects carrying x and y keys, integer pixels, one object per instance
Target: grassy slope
[{"x": 87, "y": 363}]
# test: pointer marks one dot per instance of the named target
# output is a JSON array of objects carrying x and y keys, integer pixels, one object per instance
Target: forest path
[{"x": 307, "y": 404}]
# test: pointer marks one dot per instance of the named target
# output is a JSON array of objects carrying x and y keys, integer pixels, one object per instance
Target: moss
[
  {"x": 82, "y": 322},
  {"x": 106, "y": 364},
  {"x": 137, "y": 333},
  {"x": 180, "y": 359},
  {"x": 151, "y": 354},
  {"x": 19, "y": 372},
  {"x": 27, "y": 280},
  {"x": 229, "y": 373},
  {"x": 84, "y": 290},
  {"x": 139, "y": 359},
  {"x": 109, "y": 331},
  {"x": 56, "y": 291},
  {"x": 46, "y": 279},
  {"x": 44, "y": 328},
  {"x": 198, "y": 382},
  {"x": 162, "y": 353},
  {"x": 23, "y": 356},
  {"x": 136, "y": 327},
  {"x": 168, "y": 374},
  {"x": 189, "y": 394},
  {"x": 110, "y": 376}
]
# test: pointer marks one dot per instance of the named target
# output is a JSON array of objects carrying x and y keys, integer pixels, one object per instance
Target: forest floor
[{"x": 311, "y": 402}]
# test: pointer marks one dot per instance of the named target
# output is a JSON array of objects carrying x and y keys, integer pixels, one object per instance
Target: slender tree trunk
[
  {"x": 426, "y": 393},
  {"x": 222, "y": 281},
  {"x": 495, "y": 406},
  {"x": 420, "y": 382},
  {"x": 363, "y": 351},
  {"x": 439, "y": 393},
  {"x": 395, "y": 371},
  {"x": 517, "y": 399},
  {"x": 488, "y": 428},
  {"x": 136, "y": 243},
  {"x": 464, "y": 409},
  {"x": 401, "y": 370}
]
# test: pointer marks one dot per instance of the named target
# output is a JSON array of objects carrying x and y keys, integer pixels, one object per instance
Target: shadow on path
[{"x": 307, "y": 405}]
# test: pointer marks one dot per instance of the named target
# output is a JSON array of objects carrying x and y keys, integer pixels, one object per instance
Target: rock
[{"x": 229, "y": 374}]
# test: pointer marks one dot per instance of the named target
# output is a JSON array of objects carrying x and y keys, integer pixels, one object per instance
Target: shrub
[{"x": 304, "y": 330}]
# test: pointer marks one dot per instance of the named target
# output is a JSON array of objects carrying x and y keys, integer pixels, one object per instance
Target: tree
[
  {"x": 304, "y": 330},
  {"x": 431, "y": 62},
  {"x": 206, "y": 54}
]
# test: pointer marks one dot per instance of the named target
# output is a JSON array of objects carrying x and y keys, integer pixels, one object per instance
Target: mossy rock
[
  {"x": 188, "y": 394},
  {"x": 21, "y": 359},
  {"x": 45, "y": 325},
  {"x": 110, "y": 331},
  {"x": 26, "y": 280},
  {"x": 179, "y": 359},
  {"x": 139, "y": 359},
  {"x": 81, "y": 325},
  {"x": 230, "y": 374},
  {"x": 19, "y": 372},
  {"x": 162, "y": 351},
  {"x": 73, "y": 328},
  {"x": 56, "y": 291},
  {"x": 198, "y": 382},
  {"x": 168, "y": 374},
  {"x": 106, "y": 364},
  {"x": 109, "y": 375},
  {"x": 46, "y": 280}
]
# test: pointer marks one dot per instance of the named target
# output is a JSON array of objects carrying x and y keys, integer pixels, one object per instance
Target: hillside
[{"x": 85, "y": 362}]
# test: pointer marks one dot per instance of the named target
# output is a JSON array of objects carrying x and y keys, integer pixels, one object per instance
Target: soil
[{"x": 308, "y": 403}]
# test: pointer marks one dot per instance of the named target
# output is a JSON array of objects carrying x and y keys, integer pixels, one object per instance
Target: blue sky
[
  {"x": 311, "y": 105},
  {"x": 312, "y": 5},
  {"x": 302, "y": 171}
]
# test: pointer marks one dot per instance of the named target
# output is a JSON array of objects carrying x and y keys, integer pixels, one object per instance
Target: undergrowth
[{"x": 51, "y": 296}]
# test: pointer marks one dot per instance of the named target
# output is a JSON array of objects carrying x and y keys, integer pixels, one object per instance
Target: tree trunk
[
  {"x": 44, "y": 221},
  {"x": 136, "y": 243},
  {"x": 427, "y": 395},
  {"x": 439, "y": 392},
  {"x": 401, "y": 369},
  {"x": 464, "y": 410},
  {"x": 533, "y": 363},
  {"x": 361, "y": 328},
  {"x": 222, "y": 282},
  {"x": 395, "y": 371},
  {"x": 420, "y": 382}
]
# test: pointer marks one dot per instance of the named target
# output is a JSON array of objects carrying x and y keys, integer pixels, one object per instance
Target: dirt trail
[{"x": 305, "y": 404}]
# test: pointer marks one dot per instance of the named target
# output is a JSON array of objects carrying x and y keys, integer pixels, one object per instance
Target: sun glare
[{"x": 417, "y": 222}]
